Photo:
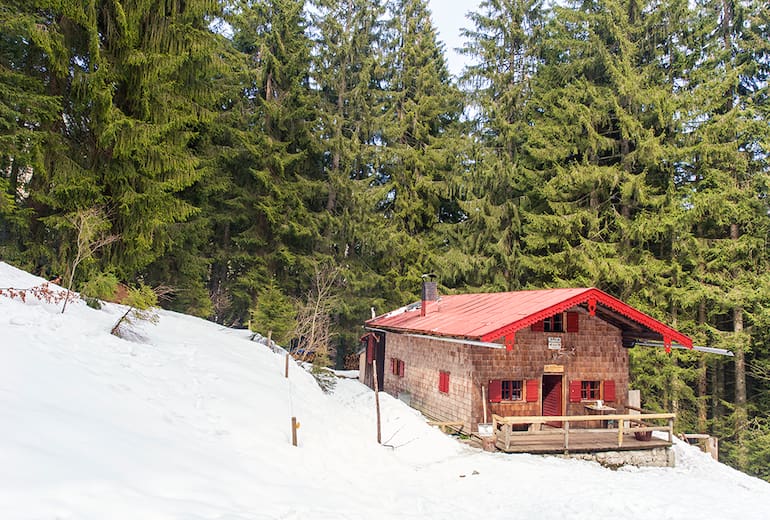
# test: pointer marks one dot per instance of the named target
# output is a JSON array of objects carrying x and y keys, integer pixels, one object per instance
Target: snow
[{"x": 191, "y": 421}]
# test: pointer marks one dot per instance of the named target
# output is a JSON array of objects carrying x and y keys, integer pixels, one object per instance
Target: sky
[{"x": 449, "y": 18}]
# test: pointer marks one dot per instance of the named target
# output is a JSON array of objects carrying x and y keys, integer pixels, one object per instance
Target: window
[
  {"x": 443, "y": 382},
  {"x": 511, "y": 390},
  {"x": 590, "y": 390},
  {"x": 397, "y": 367},
  {"x": 554, "y": 324}
]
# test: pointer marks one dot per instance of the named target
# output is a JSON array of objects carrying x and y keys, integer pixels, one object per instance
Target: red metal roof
[{"x": 490, "y": 316}]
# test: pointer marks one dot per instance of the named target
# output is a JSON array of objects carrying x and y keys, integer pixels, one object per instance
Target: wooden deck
[
  {"x": 551, "y": 440},
  {"x": 621, "y": 433}
]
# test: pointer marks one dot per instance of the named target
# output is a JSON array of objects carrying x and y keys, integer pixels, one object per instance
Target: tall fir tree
[
  {"x": 596, "y": 139},
  {"x": 132, "y": 84},
  {"x": 348, "y": 74},
  {"x": 420, "y": 146},
  {"x": 276, "y": 179},
  {"x": 728, "y": 182},
  {"x": 494, "y": 183},
  {"x": 33, "y": 56}
]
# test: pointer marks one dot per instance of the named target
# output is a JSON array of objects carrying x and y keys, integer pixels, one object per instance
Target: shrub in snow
[
  {"x": 141, "y": 302},
  {"x": 324, "y": 376},
  {"x": 42, "y": 292},
  {"x": 103, "y": 287}
]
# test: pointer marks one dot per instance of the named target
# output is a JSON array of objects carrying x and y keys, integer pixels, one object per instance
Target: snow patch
[{"x": 194, "y": 423}]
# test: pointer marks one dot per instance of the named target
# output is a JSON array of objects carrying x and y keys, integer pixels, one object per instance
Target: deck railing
[{"x": 626, "y": 423}]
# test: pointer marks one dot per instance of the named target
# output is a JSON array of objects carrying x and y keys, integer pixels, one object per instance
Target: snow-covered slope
[{"x": 192, "y": 421}]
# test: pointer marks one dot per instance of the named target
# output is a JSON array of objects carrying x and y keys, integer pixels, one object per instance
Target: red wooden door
[{"x": 552, "y": 398}]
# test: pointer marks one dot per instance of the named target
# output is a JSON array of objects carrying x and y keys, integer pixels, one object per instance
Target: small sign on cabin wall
[{"x": 554, "y": 343}]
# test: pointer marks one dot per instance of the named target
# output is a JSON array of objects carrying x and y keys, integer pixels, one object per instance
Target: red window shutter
[
  {"x": 532, "y": 390},
  {"x": 401, "y": 368},
  {"x": 393, "y": 369},
  {"x": 573, "y": 319},
  {"x": 538, "y": 326},
  {"x": 443, "y": 382},
  {"x": 495, "y": 391},
  {"x": 574, "y": 391},
  {"x": 609, "y": 391}
]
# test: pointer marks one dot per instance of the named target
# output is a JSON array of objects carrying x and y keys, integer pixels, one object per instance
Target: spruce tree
[
  {"x": 347, "y": 72},
  {"x": 495, "y": 181},
  {"x": 32, "y": 58},
  {"x": 275, "y": 190},
  {"x": 420, "y": 144},
  {"x": 728, "y": 183},
  {"x": 599, "y": 140},
  {"x": 132, "y": 84}
]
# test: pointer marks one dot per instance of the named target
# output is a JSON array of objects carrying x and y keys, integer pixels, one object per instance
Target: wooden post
[
  {"x": 484, "y": 401},
  {"x": 634, "y": 401},
  {"x": 712, "y": 447},
  {"x": 294, "y": 426},
  {"x": 620, "y": 433},
  {"x": 286, "y": 371},
  {"x": 377, "y": 401},
  {"x": 566, "y": 435}
]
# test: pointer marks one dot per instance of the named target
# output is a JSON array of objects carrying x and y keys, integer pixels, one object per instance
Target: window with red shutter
[
  {"x": 573, "y": 320},
  {"x": 554, "y": 323},
  {"x": 513, "y": 390},
  {"x": 393, "y": 365},
  {"x": 574, "y": 391},
  {"x": 609, "y": 391},
  {"x": 401, "y": 368},
  {"x": 590, "y": 390},
  {"x": 532, "y": 390},
  {"x": 495, "y": 391},
  {"x": 538, "y": 326}
]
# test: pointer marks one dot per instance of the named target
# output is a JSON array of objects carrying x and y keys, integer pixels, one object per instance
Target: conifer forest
[{"x": 251, "y": 156}]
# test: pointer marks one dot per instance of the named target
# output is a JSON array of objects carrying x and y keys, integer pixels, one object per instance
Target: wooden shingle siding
[{"x": 594, "y": 353}]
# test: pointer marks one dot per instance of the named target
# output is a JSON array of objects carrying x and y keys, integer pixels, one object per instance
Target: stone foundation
[{"x": 654, "y": 458}]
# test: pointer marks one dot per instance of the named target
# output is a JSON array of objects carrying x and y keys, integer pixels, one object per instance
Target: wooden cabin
[{"x": 551, "y": 352}]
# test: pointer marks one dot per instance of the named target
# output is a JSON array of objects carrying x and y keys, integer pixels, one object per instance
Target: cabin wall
[
  {"x": 594, "y": 353},
  {"x": 423, "y": 359}
]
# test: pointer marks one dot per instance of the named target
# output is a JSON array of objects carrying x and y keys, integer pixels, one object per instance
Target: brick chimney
[{"x": 429, "y": 292}]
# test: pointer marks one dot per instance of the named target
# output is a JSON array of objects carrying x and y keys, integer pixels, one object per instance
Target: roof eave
[{"x": 591, "y": 297}]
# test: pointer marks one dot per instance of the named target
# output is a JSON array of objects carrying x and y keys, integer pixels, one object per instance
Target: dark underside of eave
[{"x": 631, "y": 329}]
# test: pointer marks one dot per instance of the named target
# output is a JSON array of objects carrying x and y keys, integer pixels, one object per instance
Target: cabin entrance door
[{"x": 552, "y": 397}]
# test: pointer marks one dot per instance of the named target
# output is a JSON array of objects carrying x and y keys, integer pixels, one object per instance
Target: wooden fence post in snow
[
  {"x": 294, "y": 426},
  {"x": 286, "y": 371},
  {"x": 377, "y": 401}
]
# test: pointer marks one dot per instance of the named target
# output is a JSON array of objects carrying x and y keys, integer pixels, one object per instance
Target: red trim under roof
[{"x": 491, "y": 316}]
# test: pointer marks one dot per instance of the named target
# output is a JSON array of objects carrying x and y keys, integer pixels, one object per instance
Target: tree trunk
[
  {"x": 741, "y": 413},
  {"x": 702, "y": 376},
  {"x": 718, "y": 388}
]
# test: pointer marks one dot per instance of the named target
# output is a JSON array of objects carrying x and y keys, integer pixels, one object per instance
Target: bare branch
[{"x": 91, "y": 226}]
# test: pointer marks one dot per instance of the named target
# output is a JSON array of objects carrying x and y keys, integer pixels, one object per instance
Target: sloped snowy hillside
[{"x": 192, "y": 421}]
